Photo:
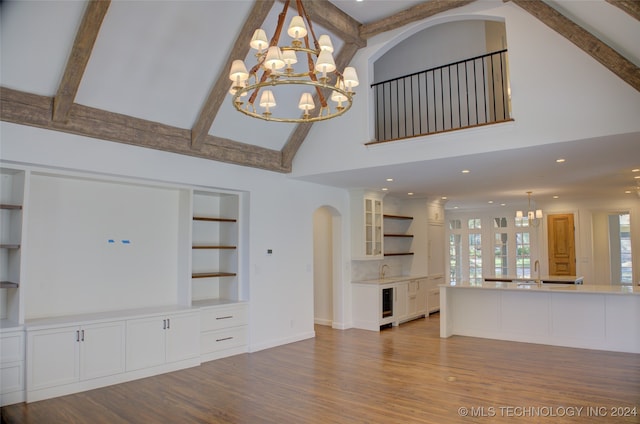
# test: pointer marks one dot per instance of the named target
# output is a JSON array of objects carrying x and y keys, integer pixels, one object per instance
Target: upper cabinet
[
  {"x": 435, "y": 212},
  {"x": 366, "y": 225},
  {"x": 12, "y": 209}
]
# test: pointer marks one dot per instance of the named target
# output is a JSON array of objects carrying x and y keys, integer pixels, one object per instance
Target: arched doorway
[{"x": 327, "y": 252}]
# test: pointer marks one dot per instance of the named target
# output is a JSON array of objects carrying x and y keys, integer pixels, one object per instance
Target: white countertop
[
  {"x": 569, "y": 288},
  {"x": 555, "y": 278},
  {"x": 390, "y": 280}
]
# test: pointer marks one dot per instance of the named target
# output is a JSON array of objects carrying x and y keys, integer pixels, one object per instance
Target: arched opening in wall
[
  {"x": 449, "y": 76},
  {"x": 327, "y": 280}
]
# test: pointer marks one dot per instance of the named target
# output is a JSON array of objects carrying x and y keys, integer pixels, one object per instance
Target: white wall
[
  {"x": 435, "y": 46},
  {"x": 99, "y": 246},
  {"x": 280, "y": 218}
]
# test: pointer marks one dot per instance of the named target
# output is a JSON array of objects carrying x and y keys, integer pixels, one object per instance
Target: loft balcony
[{"x": 468, "y": 93}]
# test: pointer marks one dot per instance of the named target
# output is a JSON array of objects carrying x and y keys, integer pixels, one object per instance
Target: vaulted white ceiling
[{"x": 158, "y": 61}]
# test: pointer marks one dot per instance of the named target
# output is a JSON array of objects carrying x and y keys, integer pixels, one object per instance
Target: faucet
[
  {"x": 382, "y": 270},
  {"x": 536, "y": 267}
]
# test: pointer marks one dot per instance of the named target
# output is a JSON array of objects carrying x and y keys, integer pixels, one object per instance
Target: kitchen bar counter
[
  {"x": 389, "y": 280},
  {"x": 583, "y": 316},
  {"x": 548, "y": 279}
]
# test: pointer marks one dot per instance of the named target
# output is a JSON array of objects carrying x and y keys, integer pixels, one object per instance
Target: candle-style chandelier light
[
  {"x": 275, "y": 69},
  {"x": 533, "y": 215}
]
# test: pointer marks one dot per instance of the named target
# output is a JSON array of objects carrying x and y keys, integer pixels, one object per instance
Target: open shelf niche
[
  {"x": 12, "y": 196},
  {"x": 397, "y": 240},
  {"x": 214, "y": 250}
]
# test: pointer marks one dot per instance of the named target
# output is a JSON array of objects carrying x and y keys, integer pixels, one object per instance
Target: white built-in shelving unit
[{"x": 117, "y": 279}]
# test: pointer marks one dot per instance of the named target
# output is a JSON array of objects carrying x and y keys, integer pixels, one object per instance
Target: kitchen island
[{"x": 573, "y": 315}]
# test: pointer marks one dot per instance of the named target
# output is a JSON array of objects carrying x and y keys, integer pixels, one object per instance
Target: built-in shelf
[
  {"x": 9, "y": 246},
  {"x": 213, "y": 274},
  {"x": 398, "y": 234},
  {"x": 213, "y": 247},
  {"x": 205, "y": 218},
  {"x": 12, "y": 207},
  {"x": 396, "y": 217},
  {"x": 8, "y": 285}
]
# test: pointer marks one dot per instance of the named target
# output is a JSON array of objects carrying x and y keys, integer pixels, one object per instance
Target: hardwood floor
[{"x": 405, "y": 374}]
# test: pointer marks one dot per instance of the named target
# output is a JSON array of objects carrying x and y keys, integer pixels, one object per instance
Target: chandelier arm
[
  {"x": 314, "y": 78},
  {"x": 263, "y": 78},
  {"x": 281, "y": 17},
  {"x": 303, "y": 12}
]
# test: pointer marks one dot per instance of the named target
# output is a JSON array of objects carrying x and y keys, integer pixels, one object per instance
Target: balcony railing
[{"x": 463, "y": 94}]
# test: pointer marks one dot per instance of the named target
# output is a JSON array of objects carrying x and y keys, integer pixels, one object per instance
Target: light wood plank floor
[{"x": 400, "y": 375}]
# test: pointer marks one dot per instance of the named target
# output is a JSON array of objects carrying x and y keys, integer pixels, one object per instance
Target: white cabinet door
[
  {"x": 182, "y": 337},
  {"x": 422, "y": 296},
  {"x": 52, "y": 357},
  {"x": 400, "y": 295},
  {"x": 101, "y": 350},
  {"x": 165, "y": 338},
  {"x": 145, "y": 342}
]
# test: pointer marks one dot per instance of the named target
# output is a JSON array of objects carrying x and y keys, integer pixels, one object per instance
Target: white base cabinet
[
  {"x": 377, "y": 305},
  {"x": 224, "y": 331},
  {"x": 433, "y": 293},
  {"x": 157, "y": 340},
  {"x": 64, "y": 357},
  {"x": 11, "y": 367},
  {"x": 70, "y": 354}
]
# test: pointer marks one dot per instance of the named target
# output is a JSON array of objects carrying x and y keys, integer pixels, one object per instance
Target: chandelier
[
  {"x": 533, "y": 215},
  {"x": 274, "y": 70}
]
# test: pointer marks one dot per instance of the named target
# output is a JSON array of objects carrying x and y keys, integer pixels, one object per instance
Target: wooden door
[{"x": 561, "y": 240}]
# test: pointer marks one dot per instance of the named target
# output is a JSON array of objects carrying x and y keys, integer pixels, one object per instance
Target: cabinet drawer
[
  {"x": 219, "y": 318},
  {"x": 11, "y": 377},
  {"x": 213, "y": 341},
  {"x": 12, "y": 348}
]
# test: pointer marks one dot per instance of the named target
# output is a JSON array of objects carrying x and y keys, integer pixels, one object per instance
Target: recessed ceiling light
[
  {"x": 503, "y": 204},
  {"x": 465, "y": 171},
  {"x": 410, "y": 193},
  {"x": 560, "y": 160},
  {"x": 635, "y": 170},
  {"x": 637, "y": 177},
  {"x": 490, "y": 201},
  {"x": 444, "y": 197},
  {"x": 627, "y": 192},
  {"x": 384, "y": 189},
  {"x": 389, "y": 179},
  {"x": 556, "y": 197},
  {"x": 455, "y": 207}
]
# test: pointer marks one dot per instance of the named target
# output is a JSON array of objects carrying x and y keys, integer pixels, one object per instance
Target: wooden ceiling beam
[
  {"x": 333, "y": 19},
  {"x": 80, "y": 53},
  {"x": 218, "y": 93},
  {"x": 34, "y": 110},
  {"x": 347, "y": 52},
  {"x": 412, "y": 14},
  {"x": 582, "y": 38},
  {"x": 632, "y": 7}
]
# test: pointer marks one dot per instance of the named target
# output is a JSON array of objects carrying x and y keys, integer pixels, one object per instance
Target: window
[
  {"x": 625, "y": 250},
  {"x": 500, "y": 247},
  {"x": 523, "y": 248},
  {"x": 620, "y": 248},
  {"x": 475, "y": 250},
  {"x": 455, "y": 251}
]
